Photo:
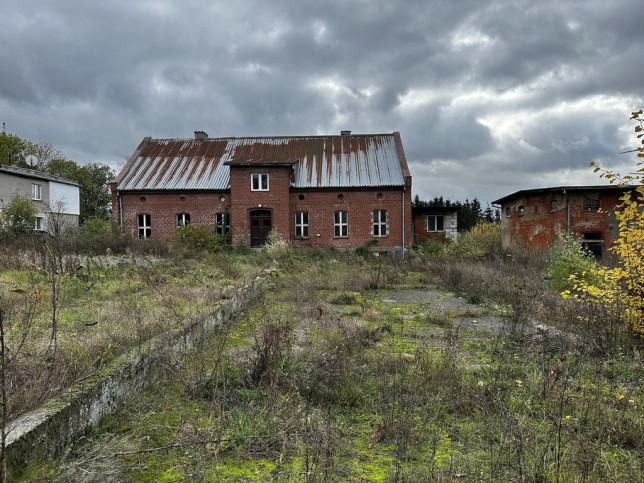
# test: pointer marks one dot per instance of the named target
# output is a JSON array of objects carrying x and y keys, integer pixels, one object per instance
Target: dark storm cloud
[{"x": 490, "y": 97}]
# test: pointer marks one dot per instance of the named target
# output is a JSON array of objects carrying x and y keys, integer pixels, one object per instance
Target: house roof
[
  {"x": 561, "y": 189},
  {"x": 342, "y": 161},
  {"x": 32, "y": 173}
]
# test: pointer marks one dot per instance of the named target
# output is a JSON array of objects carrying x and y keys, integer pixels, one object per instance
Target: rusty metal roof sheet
[{"x": 343, "y": 161}]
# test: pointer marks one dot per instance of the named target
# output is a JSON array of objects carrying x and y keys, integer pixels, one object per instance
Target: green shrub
[
  {"x": 97, "y": 228},
  {"x": 484, "y": 237},
  {"x": 197, "y": 237},
  {"x": 365, "y": 249},
  {"x": 566, "y": 257},
  {"x": 436, "y": 246},
  {"x": 19, "y": 215}
]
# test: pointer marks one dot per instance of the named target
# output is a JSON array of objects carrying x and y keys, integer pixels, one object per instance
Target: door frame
[{"x": 259, "y": 234}]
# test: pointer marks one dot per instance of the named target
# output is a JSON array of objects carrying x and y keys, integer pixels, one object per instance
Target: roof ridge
[{"x": 298, "y": 136}]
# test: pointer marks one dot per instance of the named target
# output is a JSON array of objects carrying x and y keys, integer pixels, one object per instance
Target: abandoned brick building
[
  {"x": 531, "y": 219},
  {"x": 315, "y": 191}
]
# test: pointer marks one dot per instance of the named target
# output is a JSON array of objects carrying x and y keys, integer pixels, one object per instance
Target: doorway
[{"x": 260, "y": 227}]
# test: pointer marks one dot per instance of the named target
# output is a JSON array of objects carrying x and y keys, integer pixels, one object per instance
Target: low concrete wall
[{"x": 45, "y": 432}]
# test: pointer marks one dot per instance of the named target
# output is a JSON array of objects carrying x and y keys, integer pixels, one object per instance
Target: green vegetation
[
  {"x": 356, "y": 367},
  {"x": 567, "y": 257},
  {"x": 18, "y": 217}
]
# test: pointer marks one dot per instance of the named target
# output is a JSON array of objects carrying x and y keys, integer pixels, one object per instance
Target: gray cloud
[{"x": 490, "y": 97}]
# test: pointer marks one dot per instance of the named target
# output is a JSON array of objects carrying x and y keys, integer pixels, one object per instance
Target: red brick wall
[
  {"x": 538, "y": 225},
  {"x": 243, "y": 199},
  {"x": 421, "y": 234},
  {"x": 164, "y": 207},
  {"x": 321, "y": 205},
  {"x": 359, "y": 205}
]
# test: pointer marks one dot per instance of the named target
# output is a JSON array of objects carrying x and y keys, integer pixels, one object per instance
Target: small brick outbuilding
[
  {"x": 531, "y": 219},
  {"x": 315, "y": 191},
  {"x": 434, "y": 224}
]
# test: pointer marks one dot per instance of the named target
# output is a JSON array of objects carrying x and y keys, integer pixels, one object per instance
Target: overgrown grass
[
  {"x": 328, "y": 378},
  {"x": 67, "y": 314}
]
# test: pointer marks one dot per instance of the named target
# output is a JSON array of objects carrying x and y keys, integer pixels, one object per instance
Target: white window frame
[
  {"x": 38, "y": 223},
  {"x": 341, "y": 224},
  {"x": 183, "y": 219},
  {"x": 432, "y": 223},
  {"x": 36, "y": 191},
  {"x": 259, "y": 182},
  {"x": 380, "y": 227},
  {"x": 222, "y": 223},
  {"x": 144, "y": 224},
  {"x": 301, "y": 224}
]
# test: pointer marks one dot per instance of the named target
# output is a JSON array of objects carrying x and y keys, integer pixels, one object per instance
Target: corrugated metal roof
[{"x": 318, "y": 161}]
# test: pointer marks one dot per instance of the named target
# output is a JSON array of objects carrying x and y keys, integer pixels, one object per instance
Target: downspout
[
  {"x": 403, "y": 222},
  {"x": 567, "y": 211},
  {"x": 120, "y": 210}
]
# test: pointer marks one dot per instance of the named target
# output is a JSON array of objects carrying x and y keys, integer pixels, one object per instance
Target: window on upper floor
[
  {"x": 144, "y": 225},
  {"x": 340, "y": 224},
  {"x": 554, "y": 205},
  {"x": 301, "y": 224},
  {"x": 222, "y": 223},
  {"x": 508, "y": 211},
  {"x": 36, "y": 192},
  {"x": 380, "y": 223},
  {"x": 183, "y": 219},
  {"x": 435, "y": 223},
  {"x": 591, "y": 205},
  {"x": 521, "y": 210},
  {"x": 259, "y": 182}
]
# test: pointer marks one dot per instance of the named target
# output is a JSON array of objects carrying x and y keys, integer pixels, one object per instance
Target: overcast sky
[{"x": 490, "y": 97}]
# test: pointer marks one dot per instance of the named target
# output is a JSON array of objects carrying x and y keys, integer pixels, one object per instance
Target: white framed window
[
  {"x": 36, "y": 192},
  {"x": 39, "y": 223},
  {"x": 301, "y": 224},
  {"x": 340, "y": 224},
  {"x": 379, "y": 222},
  {"x": 222, "y": 223},
  {"x": 145, "y": 225},
  {"x": 259, "y": 182},
  {"x": 183, "y": 219},
  {"x": 435, "y": 223}
]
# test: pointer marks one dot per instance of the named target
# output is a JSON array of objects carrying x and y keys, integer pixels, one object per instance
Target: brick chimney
[
  {"x": 345, "y": 133},
  {"x": 201, "y": 135}
]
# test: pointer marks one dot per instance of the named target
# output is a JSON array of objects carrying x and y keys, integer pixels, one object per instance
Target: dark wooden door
[{"x": 260, "y": 227}]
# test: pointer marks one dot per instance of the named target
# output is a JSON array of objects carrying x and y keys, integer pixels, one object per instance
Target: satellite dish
[{"x": 31, "y": 160}]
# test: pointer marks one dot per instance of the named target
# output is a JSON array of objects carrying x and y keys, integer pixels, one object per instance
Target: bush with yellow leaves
[{"x": 620, "y": 289}]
